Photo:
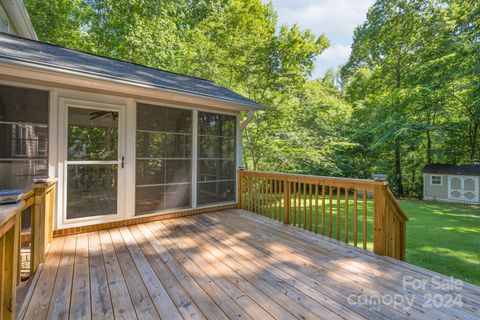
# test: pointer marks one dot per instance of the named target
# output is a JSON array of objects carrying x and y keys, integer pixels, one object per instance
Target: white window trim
[
  {"x": 436, "y": 184},
  {"x": 63, "y": 104}
]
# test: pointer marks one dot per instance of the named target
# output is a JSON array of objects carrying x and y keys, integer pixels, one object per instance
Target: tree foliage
[
  {"x": 409, "y": 94},
  {"x": 412, "y": 78}
]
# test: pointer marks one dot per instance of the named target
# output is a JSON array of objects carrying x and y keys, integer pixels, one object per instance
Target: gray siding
[{"x": 434, "y": 191}]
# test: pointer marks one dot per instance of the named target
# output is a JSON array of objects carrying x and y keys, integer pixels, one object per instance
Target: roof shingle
[
  {"x": 26, "y": 50},
  {"x": 469, "y": 169}
]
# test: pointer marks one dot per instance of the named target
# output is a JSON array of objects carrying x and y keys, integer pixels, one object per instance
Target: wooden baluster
[
  {"x": 262, "y": 197},
  {"x": 241, "y": 193},
  {"x": 278, "y": 198},
  {"x": 280, "y": 191},
  {"x": 346, "y": 215},
  {"x": 364, "y": 219},
  {"x": 310, "y": 216},
  {"x": 316, "y": 207},
  {"x": 245, "y": 193},
  {"x": 299, "y": 204},
  {"x": 305, "y": 206},
  {"x": 270, "y": 198},
  {"x": 355, "y": 218},
  {"x": 257, "y": 195},
  {"x": 274, "y": 199},
  {"x": 323, "y": 209},
  {"x": 330, "y": 209},
  {"x": 286, "y": 201},
  {"x": 250, "y": 194},
  {"x": 270, "y": 195},
  {"x": 339, "y": 192},
  {"x": 239, "y": 189},
  {"x": 267, "y": 204},
  {"x": 300, "y": 207},
  {"x": 294, "y": 214}
]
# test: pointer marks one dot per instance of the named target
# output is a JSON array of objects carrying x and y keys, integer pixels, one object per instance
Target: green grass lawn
[
  {"x": 441, "y": 237},
  {"x": 444, "y": 238}
]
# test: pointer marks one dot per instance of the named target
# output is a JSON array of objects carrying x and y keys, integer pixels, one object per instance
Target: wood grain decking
[{"x": 233, "y": 264}]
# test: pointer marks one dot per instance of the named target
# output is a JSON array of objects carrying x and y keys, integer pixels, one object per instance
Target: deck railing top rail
[
  {"x": 341, "y": 208},
  {"x": 292, "y": 177}
]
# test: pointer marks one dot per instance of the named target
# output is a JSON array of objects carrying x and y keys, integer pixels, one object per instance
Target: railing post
[
  {"x": 239, "y": 188},
  {"x": 42, "y": 222},
  {"x": 9, "y": 259},
  {"x": 38, "y": 228},
  {"x": 286, "y": 201},
  {"x": 49, "y": 213},
  {"x": 379, "y": 236}
]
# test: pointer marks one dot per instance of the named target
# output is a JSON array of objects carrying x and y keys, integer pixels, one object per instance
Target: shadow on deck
[{"x": 234, "y": 264}]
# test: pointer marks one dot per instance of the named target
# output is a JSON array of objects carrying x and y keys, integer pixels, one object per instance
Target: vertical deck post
[
  {"x": 38, "y": 228},
  {"x": 239, "y": 188},
  {"x": 379, "y": 206},
  {"x": 286, "y": 201}
]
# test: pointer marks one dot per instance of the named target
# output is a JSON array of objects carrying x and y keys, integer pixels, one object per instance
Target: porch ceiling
[{"x": 230, "y": 264}]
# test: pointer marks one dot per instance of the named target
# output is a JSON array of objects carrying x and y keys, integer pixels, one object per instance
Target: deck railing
[
  {"x": 36, "y": 203},
  {"x": 357, "y": 211}
]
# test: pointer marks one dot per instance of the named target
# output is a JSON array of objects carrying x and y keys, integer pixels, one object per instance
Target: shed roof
[
  {"x": 469, "y": 169},
  {"x": 18, "y": 49}
]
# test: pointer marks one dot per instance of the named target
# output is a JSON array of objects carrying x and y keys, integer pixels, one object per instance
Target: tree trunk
[
  {"x": 398, "y": 168},
  {"x": 473, "y": 137},
  {"x": 429, "y": 140}
]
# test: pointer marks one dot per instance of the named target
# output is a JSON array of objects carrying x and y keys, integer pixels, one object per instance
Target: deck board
[
  {"x": 101, "y": 302},
  {"x": 229, "y": 265},
  {"x": 80, "y": 301}
]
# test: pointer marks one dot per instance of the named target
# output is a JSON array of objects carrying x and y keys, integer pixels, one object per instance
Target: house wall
[{"x": 56, "y": 164}]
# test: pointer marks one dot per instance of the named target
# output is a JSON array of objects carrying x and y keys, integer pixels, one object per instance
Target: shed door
[{"x": 463, "y": 188}]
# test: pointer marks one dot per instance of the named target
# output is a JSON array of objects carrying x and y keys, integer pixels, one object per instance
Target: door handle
[{"x": 123, "y": 162}]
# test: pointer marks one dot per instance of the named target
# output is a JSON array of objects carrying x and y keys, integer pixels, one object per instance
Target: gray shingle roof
[
  {"x": 26, "y": 50},
  {"x": 469, "y": 169}
]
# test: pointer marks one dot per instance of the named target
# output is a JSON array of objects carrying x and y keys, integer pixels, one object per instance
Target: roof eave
[{"x": 62, "y": 70}]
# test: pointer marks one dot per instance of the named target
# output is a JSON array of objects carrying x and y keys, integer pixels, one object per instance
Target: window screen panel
[
  {"x": 164, "y": 152},
  {"x": 217, "y": 191},
  {"x": 216, "y": 158},
  {"x": 23, "y": 136}
]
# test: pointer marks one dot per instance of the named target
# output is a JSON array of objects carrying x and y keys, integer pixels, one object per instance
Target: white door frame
[
  {"x": 462, "y": 188},
  {"x": 64, "y": 103}
]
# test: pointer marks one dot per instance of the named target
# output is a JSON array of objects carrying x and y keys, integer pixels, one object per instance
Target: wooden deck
[{"x": 233, "y": 264}]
